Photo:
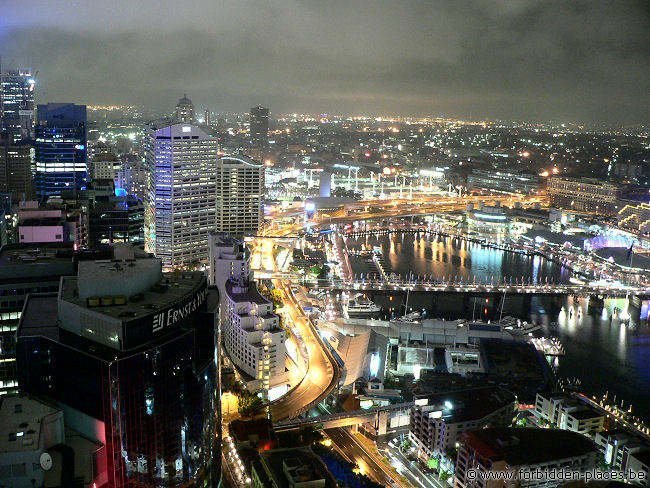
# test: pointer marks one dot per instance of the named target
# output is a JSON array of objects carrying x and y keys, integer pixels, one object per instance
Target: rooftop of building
[
  {"x": 40, "y": 316},
  {"x": 643, "y": 456},
  {"x": 577, "y": 409},
  {"x": 35, "y": 261},
  {"x": 184, "y": 100},
  {"x": 105, "y": 156},
  {"x": 466, "y": 405},
  {"x": 528, "y": 446},
  {"x": 54, "y": 221},
  {"x": 173, "y": 288},
  {"x": 20, "y": 422},
  {"x": 248, "y": 293},
  {"x": 583, "y": 180},
  {"x": 583, "y": 412},
  {"x": 224, "y": 238},
  {"x": 180, "y": 131},
  {"x": 240, "y": 159},
  {"x": 122, "y": 293},
  {"x": 259, "y": 431},
  {"x": 292, "y": 466}
]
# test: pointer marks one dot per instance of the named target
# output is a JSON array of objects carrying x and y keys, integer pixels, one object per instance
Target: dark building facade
[
  {"x": 503, "y": 181},
  {"x": 17, "y": 103},
  {"x": 118, "y": 220},
  {"x": 584, "y": 195},
  {"x": 16, "y": 168},
  {"x": 24, "y": 270},
  {"x": 141, "y": 365},
  {"x": 60, "y": 149},
  {"x": 259, "y": 126}
]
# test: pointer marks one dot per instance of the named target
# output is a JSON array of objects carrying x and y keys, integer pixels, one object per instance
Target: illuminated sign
[
  {"x": 485, "y": 216},
  {"x": 375, "y": 361},
  {"x": 174, "y": 314}
]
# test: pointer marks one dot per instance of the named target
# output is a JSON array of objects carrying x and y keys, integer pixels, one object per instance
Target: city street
[
  {"x": 319, "y": 379},
  {"x": 368, "y": 463},
  {"x": 411, "y": 470}
]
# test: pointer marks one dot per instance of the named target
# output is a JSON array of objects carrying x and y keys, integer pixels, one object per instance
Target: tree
[
  {"x": 249, "y": 404},
  {"x": 277, "y": 297}
]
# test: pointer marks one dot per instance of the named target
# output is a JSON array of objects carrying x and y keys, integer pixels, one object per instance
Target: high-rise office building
[
  {"x": 129, "y": 354},
  {"x": 240, "y": 187},
  {"x": 259, "y": 126},
  {"x": 25, "y": 269},
  {"x": 118, "y": 219},
  {"x": 16, "y": 159},
  {"x": 105, "y": 166},
  {"x": 17, "y": 103},
  {"x": 60, "y": 149},
  {"x": 184, "y": 112},
  {"x": 182, "y": 161},
  {"x": 133, "y": 177}
]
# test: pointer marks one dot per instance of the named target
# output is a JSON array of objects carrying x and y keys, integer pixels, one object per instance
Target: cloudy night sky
[{"x": 510, "y": 59}]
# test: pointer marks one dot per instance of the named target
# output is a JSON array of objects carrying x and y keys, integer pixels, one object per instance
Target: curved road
[{"x": 323, "y": 372}]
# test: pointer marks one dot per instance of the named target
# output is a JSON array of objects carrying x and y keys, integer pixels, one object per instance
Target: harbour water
[
  {"x": 425, "y": 254},
  {"x": 603, "y": 351}
]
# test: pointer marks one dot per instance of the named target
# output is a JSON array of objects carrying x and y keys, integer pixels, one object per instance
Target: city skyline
[
  {"x": 522, "y": 60},
  {"x": 357, "y": 243}
]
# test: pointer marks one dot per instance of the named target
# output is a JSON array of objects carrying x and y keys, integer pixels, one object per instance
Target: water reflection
[
  {"x": 601, "y": 350},
  {"x": 607, "y": 349},
  {"x": 438, "y": 256}
]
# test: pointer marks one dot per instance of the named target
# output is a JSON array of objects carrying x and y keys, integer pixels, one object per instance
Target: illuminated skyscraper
[
  {"x": 259, "y": 126},
  {"x": 60, "y": 149},
  {"x": 135, "y": 372},
  {"x": 184, "y": 113},
  {"x": 17, "y": 103},
  {"x": 182, "y": 161},
  {"x": 240, "y": 186}
]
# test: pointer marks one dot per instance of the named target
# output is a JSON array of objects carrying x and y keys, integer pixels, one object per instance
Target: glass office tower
[{"x": 60, "y": 149}]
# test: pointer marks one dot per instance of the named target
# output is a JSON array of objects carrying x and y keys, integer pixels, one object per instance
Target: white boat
[
  {"x": 517, "y": 327},
  {"x": 409, "y": 318},
  {"x": 360, "y": 307}
]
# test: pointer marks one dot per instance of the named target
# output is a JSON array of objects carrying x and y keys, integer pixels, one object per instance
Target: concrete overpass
[{"x": 384, "y": 419}]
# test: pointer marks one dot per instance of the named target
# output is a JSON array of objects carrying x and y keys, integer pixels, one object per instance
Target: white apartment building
[
  {"x": 565, "y": 412},
  {"x": 182, "y": 162},
  {"x": 438, "y": 419},
  {"x": 618, "y": 445},
  {"x": 251, "y": 332},
  {"x": 240, "y": 187},
  {"x": 228, "y": 257}
]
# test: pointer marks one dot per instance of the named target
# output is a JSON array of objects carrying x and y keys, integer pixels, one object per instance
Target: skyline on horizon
[{"x": 584, "y": 62}]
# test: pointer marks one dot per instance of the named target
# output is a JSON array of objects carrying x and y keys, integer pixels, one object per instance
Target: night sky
[{"x": 511, "y": 59}]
